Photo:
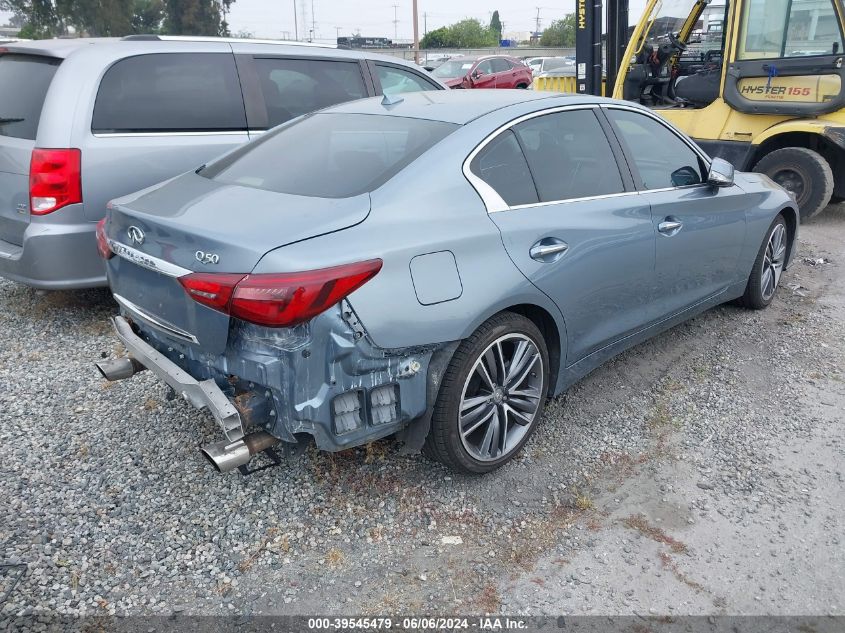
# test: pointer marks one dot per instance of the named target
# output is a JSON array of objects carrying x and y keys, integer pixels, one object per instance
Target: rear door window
[
  {"x": 24, "y": 81},
  {"x": 170, "y": 92},
  {"x": 501, "y": 164},
  {"x": 500, "y": 65},
  {"x": 396, "y": 80},
  {"x": 293, "y": 87},
  {"x": 569, "y": 156}
]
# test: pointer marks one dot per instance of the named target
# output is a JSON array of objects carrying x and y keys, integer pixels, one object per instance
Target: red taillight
[
  {"x": 54, "y": 179},
  {"x": 213, "y": 290},
  {"x": 279, "y": 299},
  {"x": 103, "y": 241}
]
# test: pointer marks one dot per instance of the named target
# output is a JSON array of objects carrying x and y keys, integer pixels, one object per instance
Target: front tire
[
  {"x": 803, "y": 172},
  {"x": 491, "y": 397},
  {"x": 768, "y": 267}
]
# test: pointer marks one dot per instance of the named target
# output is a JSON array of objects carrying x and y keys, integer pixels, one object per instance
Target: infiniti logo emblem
[{"x": 136, "y": 235}]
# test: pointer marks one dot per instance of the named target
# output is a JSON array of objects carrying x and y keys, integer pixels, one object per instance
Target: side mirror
[
  {"x": 476, "y": 74},
  {"x": 721, "y": 173}
]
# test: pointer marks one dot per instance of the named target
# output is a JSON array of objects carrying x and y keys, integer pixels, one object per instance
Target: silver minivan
[{"x": 84, "y": 121}]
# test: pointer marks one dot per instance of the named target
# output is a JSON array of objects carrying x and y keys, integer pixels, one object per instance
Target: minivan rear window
[
  {"x": 170, "y": 92},
  {"x": 24, "y": 81},
  {"x": 330, "y": 155}
]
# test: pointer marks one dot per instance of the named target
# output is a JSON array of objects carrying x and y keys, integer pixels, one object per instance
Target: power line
[{"x": 395, "y": 21}]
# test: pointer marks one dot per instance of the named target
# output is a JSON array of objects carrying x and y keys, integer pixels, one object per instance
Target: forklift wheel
[{"x": 803, "y": 172}]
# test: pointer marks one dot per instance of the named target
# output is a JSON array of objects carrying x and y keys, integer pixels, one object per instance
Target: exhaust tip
[
  {"x": 209, "y": 458},
  {"x": 119, "y": 368},
  {"x": 225, "y": 456}
]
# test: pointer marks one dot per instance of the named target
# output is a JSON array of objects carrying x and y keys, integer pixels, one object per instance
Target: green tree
[
  {"x": 37, "y": 18},
  {"x": 560, "y": 33},
  {"x": 106, "y": 18},
  {"x": 115, "y": 18},
  {"x": 470, "y": 33},
  {"x": 496, "y": 25},
  {"x": 439, "y": 38},
  {"x": 148, "y": 16},
  {"x": 197, "y": 17}
]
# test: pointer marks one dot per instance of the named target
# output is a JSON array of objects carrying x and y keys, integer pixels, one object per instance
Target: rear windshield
[
  {"x": 24, "y": 80},
  {"x": 329, "y": 155}
]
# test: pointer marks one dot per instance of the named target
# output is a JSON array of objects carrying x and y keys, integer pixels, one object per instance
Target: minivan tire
[
  {"x": 444, "y": 442},
  {"x": 804, "y": 172}
]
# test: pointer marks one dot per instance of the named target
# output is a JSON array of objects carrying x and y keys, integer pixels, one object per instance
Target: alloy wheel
[
  {"x": 773, "y": 262},
  {"x": 501, "y": 397}
]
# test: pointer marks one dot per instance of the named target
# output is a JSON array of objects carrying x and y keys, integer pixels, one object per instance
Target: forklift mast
[{"x": 588, "y": 43}]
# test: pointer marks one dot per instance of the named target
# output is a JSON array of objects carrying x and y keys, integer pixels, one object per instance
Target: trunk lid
[
  {"x": 202, "y": 225},
  {"x": 25, "y": 80}
]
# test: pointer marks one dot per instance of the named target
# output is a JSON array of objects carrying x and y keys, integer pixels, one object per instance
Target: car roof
[
  {"x": 63, "y": 48},
  {"x": 457, "y": 106}
]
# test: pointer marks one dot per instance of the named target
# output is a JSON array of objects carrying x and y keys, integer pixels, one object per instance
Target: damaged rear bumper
[
  {"x": 201, "y": 394},
  {"x": 325, "y": 378}
]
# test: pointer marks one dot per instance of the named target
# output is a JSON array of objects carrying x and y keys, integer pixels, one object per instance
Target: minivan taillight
[
  {"x": 55, "y": 179},
  {"x": 103, "y": 240},
  {"x": 279, "y": 299}
]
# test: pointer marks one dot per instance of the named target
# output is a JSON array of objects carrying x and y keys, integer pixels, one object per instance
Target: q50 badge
[{"x": 207, "y": 258}]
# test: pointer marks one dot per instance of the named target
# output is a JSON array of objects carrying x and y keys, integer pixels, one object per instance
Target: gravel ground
[{"x": 701, "y": 472}]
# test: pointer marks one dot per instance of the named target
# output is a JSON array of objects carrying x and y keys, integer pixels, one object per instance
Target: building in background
[{"x": 356, "y": 41}]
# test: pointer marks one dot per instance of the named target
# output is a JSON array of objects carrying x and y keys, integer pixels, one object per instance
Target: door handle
[
  {"x": 669, "y": 227},
  {"x": 546, "y": 248}
]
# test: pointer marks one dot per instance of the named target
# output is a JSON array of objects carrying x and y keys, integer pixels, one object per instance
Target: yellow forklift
[{"x": 760, "y": 83}]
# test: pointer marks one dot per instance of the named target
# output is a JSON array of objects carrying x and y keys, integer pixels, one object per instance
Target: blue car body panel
[{"x": 449, "y": 264}]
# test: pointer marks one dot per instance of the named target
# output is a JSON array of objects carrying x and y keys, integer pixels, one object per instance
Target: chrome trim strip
[
  {"x": 491, "y": 199},
  {"x": 621, "y": 194},
  {"x": 166, "y": 134},
  {"x": 496, "y": 204},
  {"x": 146, "y": 316},
  {"x": 147, "y": 261}
]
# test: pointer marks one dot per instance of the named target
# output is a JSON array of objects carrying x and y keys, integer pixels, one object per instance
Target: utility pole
[
  {"x": 313, "y": 22},
  {"x": 337, "y": 28},
  {"x": 416, "y": 35},
  {"x": 395, "y": 22},
  {"x": 425, "y": 23},
  {"x": 295, "y": 23},
  {"x": 537, "y": 29}
]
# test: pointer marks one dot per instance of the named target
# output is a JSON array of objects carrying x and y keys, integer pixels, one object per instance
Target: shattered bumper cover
[
  {"x": 201, "y": 394},
  {"x": 324, "y": 378}
]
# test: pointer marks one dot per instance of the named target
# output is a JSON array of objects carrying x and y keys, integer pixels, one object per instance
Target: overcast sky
[{"x": 275, "y": 18}]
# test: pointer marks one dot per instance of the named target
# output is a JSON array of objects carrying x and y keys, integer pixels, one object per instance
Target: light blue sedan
[{"x": 432, "y": 267}]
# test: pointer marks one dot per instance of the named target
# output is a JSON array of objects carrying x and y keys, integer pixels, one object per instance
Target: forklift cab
[
  {"x": 760, "y": 83},
  {"x": 677, "y": 62}
]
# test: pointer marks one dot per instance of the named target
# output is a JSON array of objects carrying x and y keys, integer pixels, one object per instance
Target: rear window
[
  {"x": 170, "y": 92},
  {"x": 24, "y": 80},
  {"x": 330, "y": 155}
]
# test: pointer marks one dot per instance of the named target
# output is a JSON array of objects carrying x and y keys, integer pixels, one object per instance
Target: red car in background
[{"x": 490, "y": 71}]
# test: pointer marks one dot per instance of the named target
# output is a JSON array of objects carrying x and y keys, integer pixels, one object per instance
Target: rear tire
[
  {"x": 491, "y": 397},
  {"x": 803, "y": 172},
  {"x": 765, "y": 276}
]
